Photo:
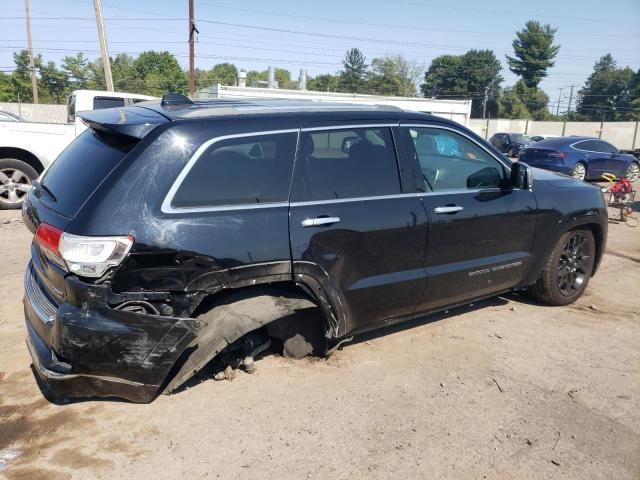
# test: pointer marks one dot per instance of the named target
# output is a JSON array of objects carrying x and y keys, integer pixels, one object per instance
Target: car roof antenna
[{"x": 175, "y": 99}]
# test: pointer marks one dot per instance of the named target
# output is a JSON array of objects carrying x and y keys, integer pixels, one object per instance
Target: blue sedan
[{"x": 581, "y": 157}]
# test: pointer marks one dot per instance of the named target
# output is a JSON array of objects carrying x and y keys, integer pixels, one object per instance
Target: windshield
[{"x": 518, "y": 137}]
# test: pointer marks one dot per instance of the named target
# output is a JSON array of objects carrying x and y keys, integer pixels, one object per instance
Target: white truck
[{"x": 28, "y": 148}]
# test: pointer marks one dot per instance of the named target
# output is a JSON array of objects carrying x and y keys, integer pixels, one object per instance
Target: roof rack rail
[{"x": 175, "y": 99}]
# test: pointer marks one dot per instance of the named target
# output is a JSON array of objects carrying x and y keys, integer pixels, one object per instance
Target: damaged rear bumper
[{"x": 84, "y": 349}]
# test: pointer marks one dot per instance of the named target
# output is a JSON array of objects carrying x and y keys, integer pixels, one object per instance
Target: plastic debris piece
[{"x": 7, "y": 456}]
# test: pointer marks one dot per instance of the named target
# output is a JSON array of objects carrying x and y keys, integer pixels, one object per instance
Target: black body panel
[{"x": 386, "y": 259}]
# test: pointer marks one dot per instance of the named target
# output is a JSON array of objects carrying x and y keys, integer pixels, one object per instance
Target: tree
[
  {"x": 7, "y": 93},
  {"x": 21, "y": 76},
  {"x": 610, "y": 93},
  {"x": 77, "y": 70},
  {"x": 54, "y": 83},
  {"x": 394, "y": 75},
  {"x": 510, "y": 105},
  {"x": 521, "y": 101},
  {"x": 354, "y": 71},
  {"x": 465, "y": 76},
  {"x": 159, "y": 73},
  {"x": 324, "y": 83},
  {"x": 222, "y": 73},
  {"x": 534, "y": 52}
]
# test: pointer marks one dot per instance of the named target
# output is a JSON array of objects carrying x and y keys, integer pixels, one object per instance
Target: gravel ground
[{"x": 501, "y": 389}]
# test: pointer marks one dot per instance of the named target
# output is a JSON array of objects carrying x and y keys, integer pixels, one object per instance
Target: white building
[{"x": 458, "y": 110}]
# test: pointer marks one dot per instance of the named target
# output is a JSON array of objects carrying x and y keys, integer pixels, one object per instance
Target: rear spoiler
[{"x": 134, "y": 121}]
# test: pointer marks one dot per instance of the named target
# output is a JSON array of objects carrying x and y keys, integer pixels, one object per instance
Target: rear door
[
  {"x": 481, "y": 231},
  {"x": 596, "y": 160},
  {"x": 354, "y": 226}
]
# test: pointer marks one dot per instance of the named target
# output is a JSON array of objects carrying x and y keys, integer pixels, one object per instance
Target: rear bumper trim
[{"x": 40, "y": 304}]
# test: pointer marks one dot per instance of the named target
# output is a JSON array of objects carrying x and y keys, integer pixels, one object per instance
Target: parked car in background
[
  {"x": 174, "y": 233},
  {"x": 538, "y": 138},
  {"x": 9, "y": 117},
  {"x": 27, "y": 148},
  {"x": 510, "y": 143},
  {"x": 586, "y": 158}
]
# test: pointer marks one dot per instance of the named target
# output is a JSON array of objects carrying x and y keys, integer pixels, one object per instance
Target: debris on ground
[
  {"x": 241, "y": 354},
  {"x": 497, "y": 384},
  {"x": 7, "y": 456}
]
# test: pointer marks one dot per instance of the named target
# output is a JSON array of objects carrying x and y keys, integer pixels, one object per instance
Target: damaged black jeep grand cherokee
[{"x": 170, "y": 230}]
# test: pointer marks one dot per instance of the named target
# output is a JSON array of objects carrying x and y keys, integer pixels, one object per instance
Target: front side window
[
  {"x": 518, "y": 137},
  {"x": 346, "y": 163},
  {"x": 252, "y": 170},
  {"x": 449, "y": 161},
  {"x": 605, "y": 147}
]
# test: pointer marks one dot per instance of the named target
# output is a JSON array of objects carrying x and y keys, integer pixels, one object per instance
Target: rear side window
[
  {"x": 107, "y": 102},
  {"x": 590, "y": 145},
  {"x": 349, "y": 163},
  {"x": 251, "y": 170},
  {"x": 80, "y": 168}
]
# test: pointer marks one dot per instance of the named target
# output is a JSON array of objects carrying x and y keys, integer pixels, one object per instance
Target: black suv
[
  {"x": 171, "y": 230},
  {"x": 512, "y": 144}
]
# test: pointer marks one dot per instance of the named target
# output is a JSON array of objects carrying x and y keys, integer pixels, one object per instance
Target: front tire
[
  {"x": 633, "y": 172},
  {"x": 15, "y": 181},
  {"x": 568, "y": 269},
  {"x": 579, "y": 171}
]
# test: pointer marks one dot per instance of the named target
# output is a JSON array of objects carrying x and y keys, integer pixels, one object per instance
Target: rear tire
[
  {"x": 568, "y": 269},
  {"x": 15, "y": 181},
  {"x": 579, "y": 171}
]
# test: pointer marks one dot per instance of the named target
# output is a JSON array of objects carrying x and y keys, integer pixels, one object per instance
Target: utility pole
[
  {"x": 564, "y": 125},
  {"x": 192, "y": 69},
  {"x": 484, "y": 102},
  {"x": 570, "y": 98},
  {"x": 32, "y": 67},
  {"x": 559, "y": 99},
  {"x": 104, "y": 51}
]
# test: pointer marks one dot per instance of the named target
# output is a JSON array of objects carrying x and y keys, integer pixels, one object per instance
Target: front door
[
  {"x": 481, "y": 231},
  {"x": 354, "y": 227}
]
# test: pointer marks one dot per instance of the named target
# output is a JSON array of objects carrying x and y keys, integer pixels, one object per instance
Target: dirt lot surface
[{"x": 503, "y": 389}]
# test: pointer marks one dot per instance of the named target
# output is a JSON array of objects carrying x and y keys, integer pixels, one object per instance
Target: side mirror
[
  {"x": 349, "y": 142},
  {"x": 521, "y": 176}
]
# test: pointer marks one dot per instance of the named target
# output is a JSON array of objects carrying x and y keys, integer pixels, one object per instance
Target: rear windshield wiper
[{"x": 37, "y": 184}]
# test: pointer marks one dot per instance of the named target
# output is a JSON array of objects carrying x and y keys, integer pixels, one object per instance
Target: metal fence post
[
  {"x": 635, "y": 135},
  {"x": 486, "y": 128}
]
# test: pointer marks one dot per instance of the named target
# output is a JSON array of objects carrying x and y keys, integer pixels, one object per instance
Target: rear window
[
  {"x": 107, "y": 102},
  {"x": 240, "y": 171},
  {"x": 80, "y": 168}
]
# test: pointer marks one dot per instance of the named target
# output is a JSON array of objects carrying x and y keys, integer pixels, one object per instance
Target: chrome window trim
[
  {"x": 442, "y": 127},
  {"x": 166, "y": 206},
  {"x": 352, "y": 199}
]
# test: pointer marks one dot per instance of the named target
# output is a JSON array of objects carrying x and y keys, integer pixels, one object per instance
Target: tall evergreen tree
[
  {"x": 534, "y": 52},
  {"x": 354, "y": 72}
]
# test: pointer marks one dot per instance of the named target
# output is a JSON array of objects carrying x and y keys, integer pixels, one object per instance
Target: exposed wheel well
[
  {"x": 24, "y": 155},
  {"x": 227, "y": 316}
]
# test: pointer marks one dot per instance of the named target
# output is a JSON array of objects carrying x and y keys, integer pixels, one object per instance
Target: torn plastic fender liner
[{"x": 238, "y": 314}]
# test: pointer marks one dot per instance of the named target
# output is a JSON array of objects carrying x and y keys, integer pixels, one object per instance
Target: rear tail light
[
  {"x": 558, "y": 154},
  {"x": 84, "y": 256}
]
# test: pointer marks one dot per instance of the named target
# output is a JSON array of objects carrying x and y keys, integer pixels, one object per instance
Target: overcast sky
[{"x": 296, "y": 34}]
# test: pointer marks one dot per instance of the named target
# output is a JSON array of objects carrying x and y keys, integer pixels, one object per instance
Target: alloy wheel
[
  {"x": 574, "y": 264},
  {"x": 14, "y": 185},
  {"x": 633, "y": 172},
  {"x": 579, "y": 171}
]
